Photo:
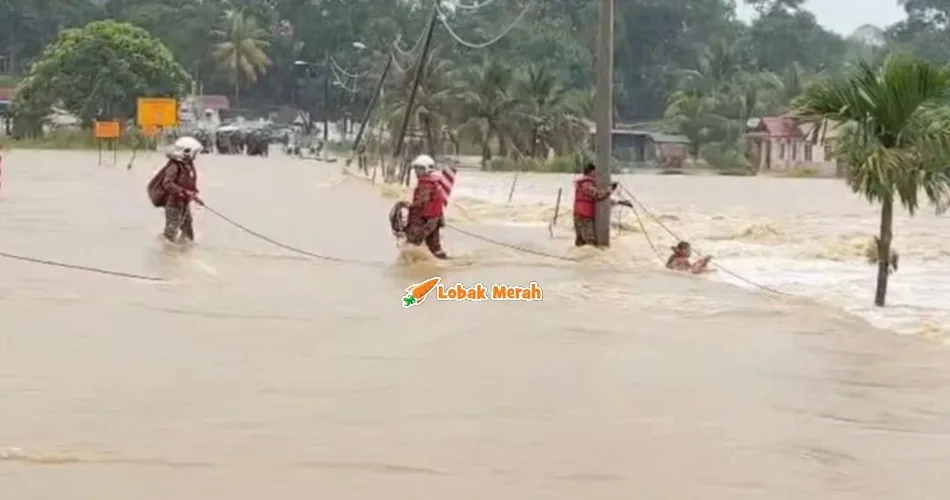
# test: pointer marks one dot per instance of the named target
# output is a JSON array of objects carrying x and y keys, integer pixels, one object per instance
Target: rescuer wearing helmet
[
  {"x": 175, "y": 186},
  {"x": 426, "y": 210}
]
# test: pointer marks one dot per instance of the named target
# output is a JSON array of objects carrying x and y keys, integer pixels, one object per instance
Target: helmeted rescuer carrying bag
[{"x": 156, "y": 191}]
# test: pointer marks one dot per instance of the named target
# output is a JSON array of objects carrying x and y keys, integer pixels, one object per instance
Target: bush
[
  {"x": 728, "y": 160},
  {"x": 557, "y": 165},
  {"x": 802, "y": 173}
]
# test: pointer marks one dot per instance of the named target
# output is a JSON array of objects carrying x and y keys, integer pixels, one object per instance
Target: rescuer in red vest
[
  {"x": 586, "y": 196},
  {"x": 426, "y": 210}
]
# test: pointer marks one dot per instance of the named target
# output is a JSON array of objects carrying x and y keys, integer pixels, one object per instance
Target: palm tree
[
  {"x": 241, "y": 51},
  {"x": 545, "y": 110},
  {"x": 429, "y": 112},
  {"x": 896, "y": 140},
  {"x": 485, "y": 104}
]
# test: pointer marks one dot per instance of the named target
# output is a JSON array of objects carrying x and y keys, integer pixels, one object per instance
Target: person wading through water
[
  {"x": 174, "y": 187},
  {"x": 426, "y": 217},
  {"x": 586, "y": 196}
]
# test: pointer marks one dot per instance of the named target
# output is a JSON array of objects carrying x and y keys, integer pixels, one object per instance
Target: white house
[{"x": 786, "y": 143}]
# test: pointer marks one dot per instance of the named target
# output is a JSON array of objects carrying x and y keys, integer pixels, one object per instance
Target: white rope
[
  {"x": 396, "y": 64},
  {"x": 444, "y": 21},
  {"x": 415, "y": 47},
  {"x": 461, "y": 6},
  {"x": 346, "y": 73}
]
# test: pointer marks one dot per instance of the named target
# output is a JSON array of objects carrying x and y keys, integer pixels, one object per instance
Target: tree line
[{"x": 688, "y": 66}]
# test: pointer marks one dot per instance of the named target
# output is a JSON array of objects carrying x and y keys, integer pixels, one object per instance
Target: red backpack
[{"x": 156, "y": 191}]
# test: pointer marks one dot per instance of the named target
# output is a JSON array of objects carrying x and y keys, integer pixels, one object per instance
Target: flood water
[{"x": 251, "y": 372}]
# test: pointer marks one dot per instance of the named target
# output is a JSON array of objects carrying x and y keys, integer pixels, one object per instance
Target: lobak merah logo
[{"x": 416, "y": 294}]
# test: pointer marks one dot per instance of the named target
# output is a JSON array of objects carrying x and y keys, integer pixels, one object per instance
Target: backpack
[
  {"x": 156, "y": 191},
  {"x": 399, "y": 219}
]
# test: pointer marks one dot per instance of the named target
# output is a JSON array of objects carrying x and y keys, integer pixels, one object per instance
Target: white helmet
[
  {"x": 185, "y": 148},
  {"x": 423, "y": 163}
]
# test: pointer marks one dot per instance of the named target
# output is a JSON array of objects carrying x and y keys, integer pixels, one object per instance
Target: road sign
[
  {"x": 157, "y": 111},
  {"x": 108, "y": 130}
]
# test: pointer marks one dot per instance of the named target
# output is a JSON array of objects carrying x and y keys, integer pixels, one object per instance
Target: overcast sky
[{"x": 844, "y": 16}]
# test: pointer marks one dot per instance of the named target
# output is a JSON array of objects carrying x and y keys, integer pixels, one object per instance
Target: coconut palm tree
[
  {"x": 430, "y": 111},
  {"x": 485, "y": 104},
  {"x": 545, "y": 111},
  {"x": 897, "y": 137},
  {"x": 241, "y": 51}
]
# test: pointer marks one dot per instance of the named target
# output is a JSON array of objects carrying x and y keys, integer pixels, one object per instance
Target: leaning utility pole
[
  {"x": 326, "y": 100},
  {"x": 372, "y": 103},
  {"x": 416, "y": 81},
  {"x": 603, "y": 110}
]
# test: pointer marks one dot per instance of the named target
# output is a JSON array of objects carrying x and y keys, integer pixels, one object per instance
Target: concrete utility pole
[{"x": 603, "y": 110}]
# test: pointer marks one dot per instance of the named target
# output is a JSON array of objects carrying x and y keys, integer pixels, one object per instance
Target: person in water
[
  {"x": 426, "y": 211},
  {"x": 679, "y": 260},
  {"x": 586, "y": 196},
  {"x": 175, "y": 187}
]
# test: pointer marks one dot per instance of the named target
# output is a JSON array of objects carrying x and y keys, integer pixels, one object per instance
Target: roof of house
[
  {"x": 215, "y": 102},
  {"x": 669, "y": 138},
  {"x": 779, "y": 126},
  {"x": 6, "y": 93},
  {"x": 655, "y": 136}
]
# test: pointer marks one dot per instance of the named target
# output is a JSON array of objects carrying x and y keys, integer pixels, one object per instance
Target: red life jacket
[
  {"x": 584, "y": 204},
  {"x": 434, "y": 207}
]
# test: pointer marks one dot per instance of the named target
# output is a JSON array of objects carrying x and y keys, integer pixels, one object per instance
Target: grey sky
[{"x": 844, "y": 16}]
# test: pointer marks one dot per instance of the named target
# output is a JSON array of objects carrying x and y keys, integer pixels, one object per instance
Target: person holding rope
[
  {"x": 175, "y": 186},
  {"x": 426, "y": 212},
  {"x": 586, "y": 196}
]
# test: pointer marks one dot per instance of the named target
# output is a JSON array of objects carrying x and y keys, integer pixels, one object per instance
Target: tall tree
[
  {"x": 241, "y": 51},
  {"x": 897, "y": 140},
  {"x": 98, "y": 71}
]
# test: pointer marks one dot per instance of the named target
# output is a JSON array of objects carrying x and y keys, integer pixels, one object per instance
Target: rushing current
[{"x": 252, "y": 372}]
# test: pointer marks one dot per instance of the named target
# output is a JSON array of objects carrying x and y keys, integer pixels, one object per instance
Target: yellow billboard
[{"x": 157, "y": 112}]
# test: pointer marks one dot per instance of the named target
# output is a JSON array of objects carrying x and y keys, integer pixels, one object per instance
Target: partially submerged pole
[
  {"x": 557, "y": 209},
  {"x": 604, "y": 116},
  {"x": 514, "y": 183}
]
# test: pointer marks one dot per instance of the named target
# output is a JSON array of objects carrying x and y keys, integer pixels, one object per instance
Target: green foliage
[
  {"x": 727, "y": 158},
  {"x": 241, "y": 49},
  {"x": 557, "y": 165},
  {"x": 98, "y": 71},
  {"x": 689, "y": 62},
  {"x": 894, "y": 125}
]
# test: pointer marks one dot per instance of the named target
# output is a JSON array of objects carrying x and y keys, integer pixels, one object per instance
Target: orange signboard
[
  {"x": 108, "y": 130},
  {"x": 157, "y": 111}
]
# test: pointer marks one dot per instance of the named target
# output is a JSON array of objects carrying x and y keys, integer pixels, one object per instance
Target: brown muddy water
[{"x": 254, "y": 373}]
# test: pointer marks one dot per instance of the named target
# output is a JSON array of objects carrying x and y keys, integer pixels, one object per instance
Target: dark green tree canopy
[{"x": 99, "y": 71}]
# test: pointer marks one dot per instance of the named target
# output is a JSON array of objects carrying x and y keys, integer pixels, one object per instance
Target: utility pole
[
  {"x": 417, "y": 79},
  {"x": 326, "y": 99},
  {"x": 603, "y": 110},
  {"x": 372, "y": 103}
]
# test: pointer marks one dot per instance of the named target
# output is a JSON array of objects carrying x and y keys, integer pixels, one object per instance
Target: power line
[{"x": 444, "y": 20}]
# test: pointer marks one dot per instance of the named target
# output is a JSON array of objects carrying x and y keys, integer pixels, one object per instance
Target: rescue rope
[
  {"x": 75, "y": 267},
  {"x": 285, "y": 246},
  {"x": 509, "y": 245},
  {"x": 677, "y": 238}
]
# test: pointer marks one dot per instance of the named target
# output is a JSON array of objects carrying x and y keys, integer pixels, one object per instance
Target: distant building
[
  {"x": 786, "y": 143},
  {"x": 641, "y": 146}
]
